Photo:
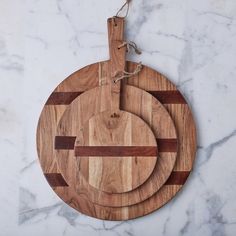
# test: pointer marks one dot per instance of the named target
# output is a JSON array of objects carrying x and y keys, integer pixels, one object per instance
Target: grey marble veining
[{"x": 191, "y": 42}]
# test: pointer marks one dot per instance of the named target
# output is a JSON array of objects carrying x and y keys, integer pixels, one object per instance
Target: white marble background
[{"x": 192, "y": 42}]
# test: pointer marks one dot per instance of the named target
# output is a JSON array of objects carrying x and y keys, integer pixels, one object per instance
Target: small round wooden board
[{"x": 109, "y": 153}]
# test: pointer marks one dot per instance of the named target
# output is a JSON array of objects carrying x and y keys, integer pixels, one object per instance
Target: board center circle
[{"x": 115, "y": 151}]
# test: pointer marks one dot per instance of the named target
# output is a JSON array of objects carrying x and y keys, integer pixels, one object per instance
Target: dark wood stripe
[
  {"x": 165, "y": 97},
  {"x": 177, "y": 178},
  {"x": 62, "y": 98},
  {"x": 115, "y": 151},
  {"x": 167, "y": 145},
  {"x": 64, "y": 142},
  {"x": 67, "y": 143},
  {"x": 55, "y": 180},
  {"x": 168, "y": 97}
]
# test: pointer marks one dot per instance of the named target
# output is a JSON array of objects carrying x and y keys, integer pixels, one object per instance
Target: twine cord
[
  {"x": 127, "y": 3},
  {"x": 130, "y": 45},
  {"x": 120, "y": 75},
  {"x": 124, "y": 74}
]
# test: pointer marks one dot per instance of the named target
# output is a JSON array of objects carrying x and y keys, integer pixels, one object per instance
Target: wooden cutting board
[
  {"x": 90, "y": 77},
  {"x": 109, "y": 151},
  {"x": 150, "y": 110}
]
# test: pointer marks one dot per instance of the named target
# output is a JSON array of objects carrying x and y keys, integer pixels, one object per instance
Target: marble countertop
[{"x": 192, "y": 42}]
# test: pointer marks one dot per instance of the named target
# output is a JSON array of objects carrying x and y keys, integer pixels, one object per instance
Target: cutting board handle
[{"x": 116, "y": 27}]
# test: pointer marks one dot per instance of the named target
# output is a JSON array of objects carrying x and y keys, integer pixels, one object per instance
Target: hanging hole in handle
[{"x": 114, "y": 21}]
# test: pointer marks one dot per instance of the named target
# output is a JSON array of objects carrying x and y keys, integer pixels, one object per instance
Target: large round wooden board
[
  {"x": 90, "y": 77},
  {"x": 146, "y": 107}
]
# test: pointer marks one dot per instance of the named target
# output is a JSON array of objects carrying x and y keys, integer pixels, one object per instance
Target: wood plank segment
[
  {"x": 64, "y": 142},
  {"x": 55, "y": 180},
  {"x": 68, "y": 142},
  {"x": 177, "y": 178},
  {"x": 109, "y": 134},
  {"x": 62, "y": 98},
  {"x": 167, "y": 145},
  {"x": 46, "y": 130},
  {"x": 81, "y": 80},
  {"x": 165, "y": 161},
  {"x": 165, "y": 97},
  {"x": 117, "y": 57},
  {"x": 168, "y": 97},
  {"x": 187, "y": 138},
  {"x": 148, "y": 80},
  {"x": 114, "y": 151}
]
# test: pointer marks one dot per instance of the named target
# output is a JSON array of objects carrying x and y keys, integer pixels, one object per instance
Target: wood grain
[
  {"x": 117, "y": 174},
  {"x": 56, "y": 180},
  {"x": 156, "y": 116},
  {"x": 68, "y": 143},
  {"x": 149, "y": 80},
  {"x": 114, "y": 151},
  {"x": 117, "y": 57},
  {"x": 111, "y": 128}
]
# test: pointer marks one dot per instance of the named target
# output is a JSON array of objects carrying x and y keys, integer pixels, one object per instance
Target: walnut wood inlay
[
  {"x": 114, "y": 151},
  {"x": 55, "y": 180},
  {"x": 154, "y": 193},
  {"x": 62, "y": 98},
  {"x": 169, "y": 97}
]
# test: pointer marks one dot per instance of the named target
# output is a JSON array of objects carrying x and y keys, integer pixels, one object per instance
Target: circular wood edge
[
  {"x": 176, "y": 188},
  {"x": 137, "y": 195},
  {"x": 64, "y": 122}
]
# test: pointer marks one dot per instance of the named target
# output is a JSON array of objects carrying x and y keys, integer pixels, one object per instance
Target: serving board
[
  {"x": 150, "y": 110},
  {"x": 109, "y": 152},
  {"x": 74, "y": 186}
]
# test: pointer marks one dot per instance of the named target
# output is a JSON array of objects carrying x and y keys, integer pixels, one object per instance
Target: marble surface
[{"x": 192, "y": 42}]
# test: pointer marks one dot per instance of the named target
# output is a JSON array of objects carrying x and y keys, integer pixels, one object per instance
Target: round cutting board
[
  {"x": 149, "y": 80},
  {"x": 98, "y": 76},
  {"x": 109, "y": 152},
  {"x": 147, "y": 108}
]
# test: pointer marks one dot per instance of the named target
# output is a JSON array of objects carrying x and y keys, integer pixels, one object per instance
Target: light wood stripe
[{"x": 114, "y": 151}]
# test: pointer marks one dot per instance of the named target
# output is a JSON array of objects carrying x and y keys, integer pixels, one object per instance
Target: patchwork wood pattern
[
  {"x": 109, "y": 168},
  {"x": 155, "y": 116},
  {"x": 85, "y": 94}
]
